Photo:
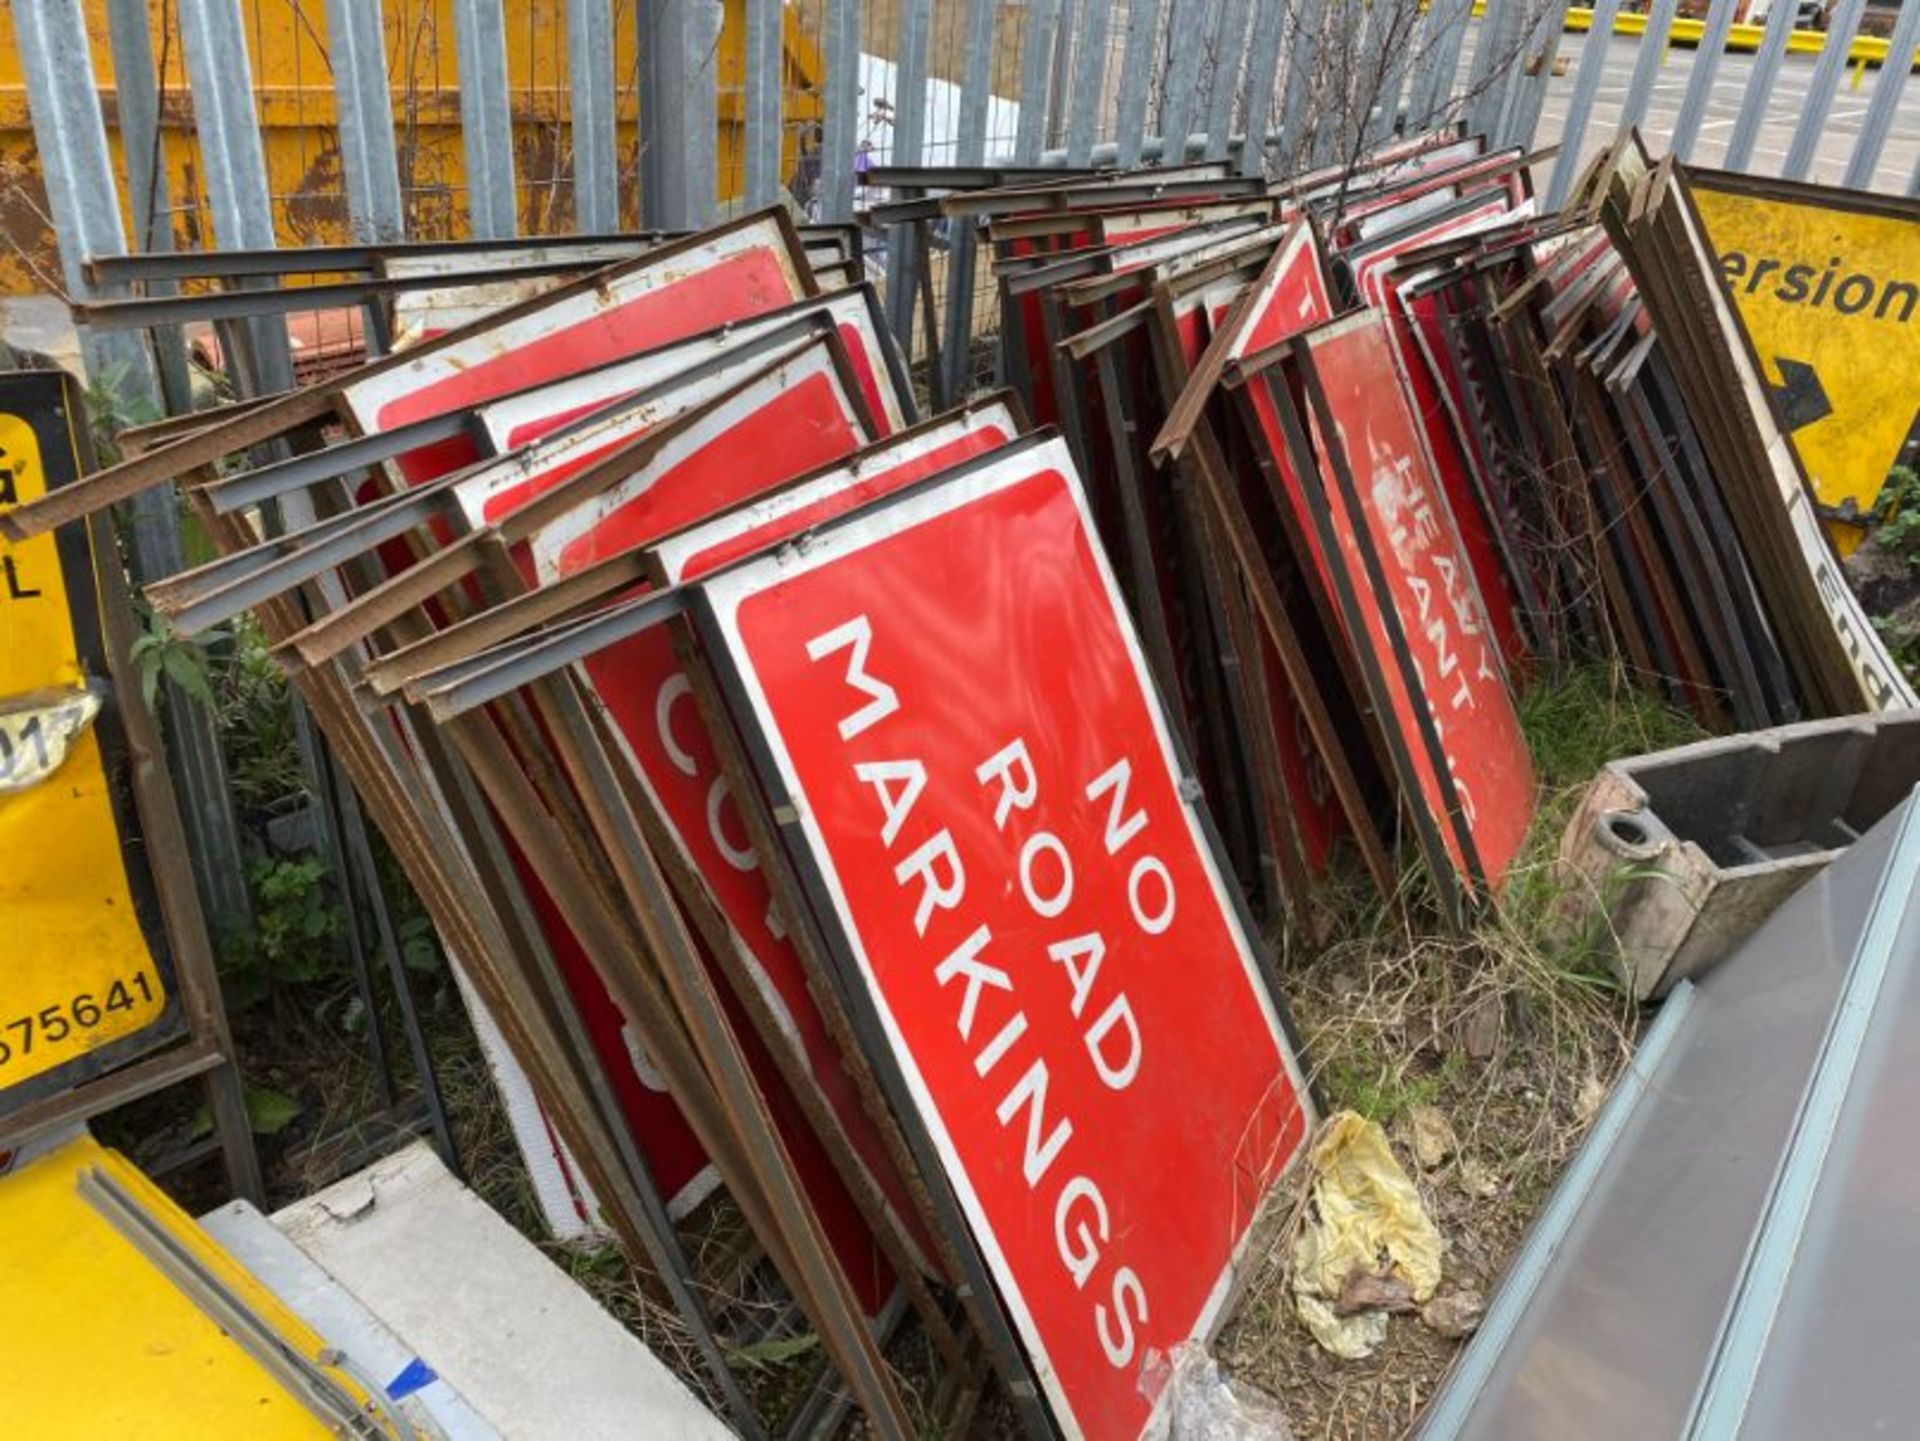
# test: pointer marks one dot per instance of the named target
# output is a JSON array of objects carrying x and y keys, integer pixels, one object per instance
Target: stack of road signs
[
  {"x": 1324, "y": 596},
  {"x": 1371, "y": 445},
  {"x": 822, "y": 798},
  {"x": 748, "y": 734},
  {"x": 1643, "y": 462},
  {"x": 1837, "y": 660}
]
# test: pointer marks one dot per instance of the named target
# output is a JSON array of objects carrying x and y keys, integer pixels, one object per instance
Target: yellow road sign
[
  {"x": 82, "y": 977},
  {"x": 97, "y": 1341},
  {"x": 1827, "y": 283}
]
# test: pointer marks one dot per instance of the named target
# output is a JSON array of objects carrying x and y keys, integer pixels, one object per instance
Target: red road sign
[
  {"x": 1296, "y": 298},
  {"x": 737, "y": 271},
  {"x": 1374, "y": 278},
  {"x": 1290, "y": 296},
  {"x": 486, "y": 493},
  {"x": 639, "y": 683},
  {"x": 878, "y": 471},
  {"x": 1403, "y": 200},
  {"x": 1413, "y": 612},
  {"x": 954, "y": 702},
  {"x": 774, "y": 427},
  {"x": 513, "y": 420},
  {"x": 1388, "y": 167}
]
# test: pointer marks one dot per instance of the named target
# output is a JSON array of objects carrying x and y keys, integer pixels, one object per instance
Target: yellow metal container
[{"x": 293, "y": 88}]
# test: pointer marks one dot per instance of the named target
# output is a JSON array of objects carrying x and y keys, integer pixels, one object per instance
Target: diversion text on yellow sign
[{"x": 1830, "y": 296}]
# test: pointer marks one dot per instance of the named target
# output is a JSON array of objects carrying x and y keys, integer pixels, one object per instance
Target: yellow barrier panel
[
  {"x": 294, "y": 101},
  {"x": 95, "y": 1341},
  {"x": 79, "y": 983},
  {"x": 1865, "y": 50}
]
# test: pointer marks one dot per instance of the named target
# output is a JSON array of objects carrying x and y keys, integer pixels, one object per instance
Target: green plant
[
  {"x": 1577, "y": 722},
  {"x": 269, "y": 1112},
  {"x": 1898, "y": 511},
  {"x": 1902, "y": 643},
  {"x": 420, "y": 955},
  {"x": 113, "y": 407},
  {"x": 775, "y": 1352},
  {"x": 160, "y": 652},
  {"x": 420, "y": 946},
  {"x": 255, "y": 711},
  {"x": 1382, "y": 1088},
  {"x": 291, "y": 944}
]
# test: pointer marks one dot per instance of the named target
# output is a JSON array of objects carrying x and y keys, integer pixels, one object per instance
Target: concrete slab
[
  {"x": 524, "y": 1346},
  {"x": 1683, "y": 853}
]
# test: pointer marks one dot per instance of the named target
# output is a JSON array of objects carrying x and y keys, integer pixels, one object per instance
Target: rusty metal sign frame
[{"x": 287, "y": 415}]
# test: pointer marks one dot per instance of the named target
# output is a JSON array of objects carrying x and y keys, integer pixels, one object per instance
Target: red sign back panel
[
  {"x": 772, "y": 429},
  {"x": 701, "y": 549},
  {"x": 490, "y": 492},
  {"x": 1429, "y": 614},
  {"x": 952, "y": 697},
  {"x": 1292, "y": 294},
  {"x": 527, "y": 415}
]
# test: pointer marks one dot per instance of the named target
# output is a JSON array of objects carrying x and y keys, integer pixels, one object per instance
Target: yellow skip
[{"x": 1866, "y": 50}]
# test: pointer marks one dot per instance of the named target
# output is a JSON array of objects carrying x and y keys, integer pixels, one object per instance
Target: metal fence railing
[{"x": 245, "y": 123}]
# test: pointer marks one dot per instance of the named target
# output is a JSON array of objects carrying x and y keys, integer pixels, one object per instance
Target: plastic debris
[
  {"x": 1204, "y": 1405},
  {"x": 1367, "y": 1218}
]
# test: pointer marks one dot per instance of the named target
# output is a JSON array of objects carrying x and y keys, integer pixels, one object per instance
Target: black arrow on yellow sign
[{"x": 1800, "y": 399}]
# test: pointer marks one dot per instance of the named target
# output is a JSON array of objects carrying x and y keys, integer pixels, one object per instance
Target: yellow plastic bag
[{"x": 1367, "y": 1217}]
